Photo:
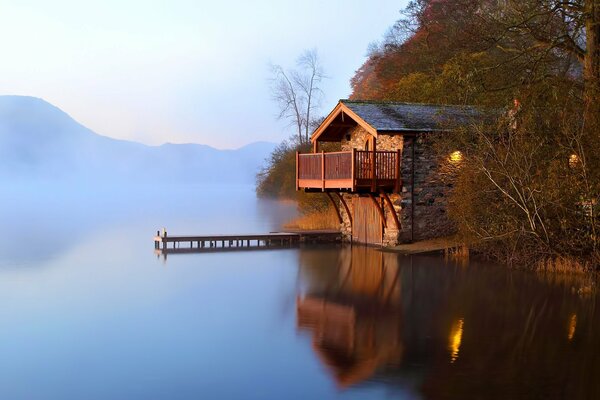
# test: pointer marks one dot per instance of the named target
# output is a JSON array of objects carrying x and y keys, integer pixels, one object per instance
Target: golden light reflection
[
  {"x": 456, "y": 156},
  {"x": 573, "y": 160},
  {"x": 572, "y": 326},
  {"x": 456, "y": 333}
]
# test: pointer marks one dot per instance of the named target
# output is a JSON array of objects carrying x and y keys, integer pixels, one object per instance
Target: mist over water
[
  {"x": 89, "y": 311},
  {"x": 47, "y": 218}
]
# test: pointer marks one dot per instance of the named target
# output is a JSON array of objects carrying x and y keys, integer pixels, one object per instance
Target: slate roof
[{"x": 398, "y": 117}]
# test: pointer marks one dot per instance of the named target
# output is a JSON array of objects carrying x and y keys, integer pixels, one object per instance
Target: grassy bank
[{"x": 315, "y": 219}]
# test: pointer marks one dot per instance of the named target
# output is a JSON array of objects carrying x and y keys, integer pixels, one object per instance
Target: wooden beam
[
  {"x": 337, "y": 210},
  {"x": 358, "y": 119},
  {"x": 323, "y": 170},
  {"x": 392, "y": 209},
  {"x": 342, "y": 125},
  {"x": 379, "y": 209},
  {"x": 328, "y": 120},
  {"x": 339, "y": 109},
  {"x": 398, "y": 187},
  {"x": 374, "y": 166},
  {"x": 412, "y": 190},
  {"x": 297, "y": 160},
  {"x": 345, "y": 207},
  {"x": 353, "y": 169}
]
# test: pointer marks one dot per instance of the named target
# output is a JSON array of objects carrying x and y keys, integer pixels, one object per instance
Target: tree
[
  {"x": 528, "y": 189},
  {"x": 546, "y": 38},
  {"x": 519, "y": 43},
  {"x": 297, "y": 92}
]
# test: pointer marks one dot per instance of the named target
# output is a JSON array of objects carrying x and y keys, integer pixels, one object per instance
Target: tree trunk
[{"x": 591, "y": 65}]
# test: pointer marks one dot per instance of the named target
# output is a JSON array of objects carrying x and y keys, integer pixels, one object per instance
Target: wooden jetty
[{"x": 165, "y": 244}]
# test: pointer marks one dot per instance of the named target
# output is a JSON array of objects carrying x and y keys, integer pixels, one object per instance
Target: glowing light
[
  {"x": 573, "y": 160},
  {"x": 572, "y": 326},
  {"x": 456, "y": 156},
  {"x": 456, "y": 333}
]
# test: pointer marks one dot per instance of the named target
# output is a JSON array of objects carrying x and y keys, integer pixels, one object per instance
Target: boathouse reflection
[
  {"x": 431, "y": 328},
  {"x": 355, "y": 315}
]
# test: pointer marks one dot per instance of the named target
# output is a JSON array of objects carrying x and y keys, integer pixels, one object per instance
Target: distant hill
[{"x": 40, "y": 141}]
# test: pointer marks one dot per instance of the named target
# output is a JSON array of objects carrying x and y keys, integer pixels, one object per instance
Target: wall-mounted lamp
[
  {"x": 573, "y": 160},
  {"x": 456, "y": 156}
]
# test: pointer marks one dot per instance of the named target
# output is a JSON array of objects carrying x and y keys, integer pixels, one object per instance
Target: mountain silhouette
[{"x": 40, "y": 141}]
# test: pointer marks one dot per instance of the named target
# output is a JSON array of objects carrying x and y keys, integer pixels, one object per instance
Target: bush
[
  {"x": 529, "y": 186},
  {"x": 278, "y": 179}
]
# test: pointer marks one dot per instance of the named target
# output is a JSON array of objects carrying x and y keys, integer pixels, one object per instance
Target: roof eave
[
  {"x": 409, "y": 130},
  {"x": 339, "y": 108}
]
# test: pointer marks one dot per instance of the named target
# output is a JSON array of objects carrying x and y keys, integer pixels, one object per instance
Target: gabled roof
[
  {"x": 391, "y": 117},
  {"x": 398, "y": 117}
]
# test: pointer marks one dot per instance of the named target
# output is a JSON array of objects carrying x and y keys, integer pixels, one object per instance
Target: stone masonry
[
  {"x": 433, "y": 182},
  {"x": 432, "y": 185}
]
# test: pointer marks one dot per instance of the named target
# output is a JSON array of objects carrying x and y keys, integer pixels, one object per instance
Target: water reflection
[
  {"x": 572, "y": 326},
  {"x": 456, "y": 333},
  {"x": 355, "y": 320},
  {"x": 435, "y": 329}
]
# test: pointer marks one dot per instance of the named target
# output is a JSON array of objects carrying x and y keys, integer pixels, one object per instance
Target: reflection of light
[
  {"x": 456, "y": 156},
  {"x": 572, "y": 326},
  {"x": 456, "y": 333},
  {"x": 573, "y": 160}
]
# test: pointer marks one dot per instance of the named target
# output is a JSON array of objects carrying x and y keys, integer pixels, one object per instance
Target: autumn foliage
[{"x": 528, "y": 189}]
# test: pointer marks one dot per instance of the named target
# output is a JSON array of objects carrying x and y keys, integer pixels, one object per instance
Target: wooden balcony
[{"x": 352, "y": 171}]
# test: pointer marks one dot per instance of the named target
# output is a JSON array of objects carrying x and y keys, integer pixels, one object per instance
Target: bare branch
[{"x": 298, "y": 93}]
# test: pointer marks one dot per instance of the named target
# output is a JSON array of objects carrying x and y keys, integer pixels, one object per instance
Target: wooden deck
[
  {"x": 352, "y": 171},
  {"x": 164, "y": 244}
]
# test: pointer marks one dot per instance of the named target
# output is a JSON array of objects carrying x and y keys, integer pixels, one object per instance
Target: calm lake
[{"x": 88, "y": 311}]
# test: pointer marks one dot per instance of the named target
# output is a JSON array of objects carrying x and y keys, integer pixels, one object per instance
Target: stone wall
[
  {"x": 358, "y": 139},
  {"x": 391, "y": 234},
  {"x": 346, "y": 225},
  {"x": 433, "y": 182},
  {"x": 389, "y": 142}
]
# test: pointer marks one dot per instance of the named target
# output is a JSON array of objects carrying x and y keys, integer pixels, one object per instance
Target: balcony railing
[{"x": 350, "y": 170}]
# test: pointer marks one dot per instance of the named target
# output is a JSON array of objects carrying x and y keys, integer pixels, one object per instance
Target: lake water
[{"x": 88, "y": 311}]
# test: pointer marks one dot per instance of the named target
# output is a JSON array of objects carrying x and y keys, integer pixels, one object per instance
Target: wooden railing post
[
  {"x": 323, "y": 170},
  {"x": 373, "y": 168},
  {"x": 353, "y": 175},
  {"x": 398, "y": 180},
  {"x": 297, "y": 168}
]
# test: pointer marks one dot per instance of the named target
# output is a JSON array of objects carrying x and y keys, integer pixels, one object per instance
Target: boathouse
[{"x": 386, "y": 181}]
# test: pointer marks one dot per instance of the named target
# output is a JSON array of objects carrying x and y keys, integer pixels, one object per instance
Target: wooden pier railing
[{"x": 349, "y": 170}]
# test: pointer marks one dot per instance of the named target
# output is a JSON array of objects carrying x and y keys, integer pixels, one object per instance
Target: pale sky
[{"x": 180, "y": 71}]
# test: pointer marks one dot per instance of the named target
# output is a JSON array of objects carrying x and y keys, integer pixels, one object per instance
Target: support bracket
[
  {"x": 337, "y": 210},
  {"x": 345, "y": 207},
  {"x": 393, "y": 211}
]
